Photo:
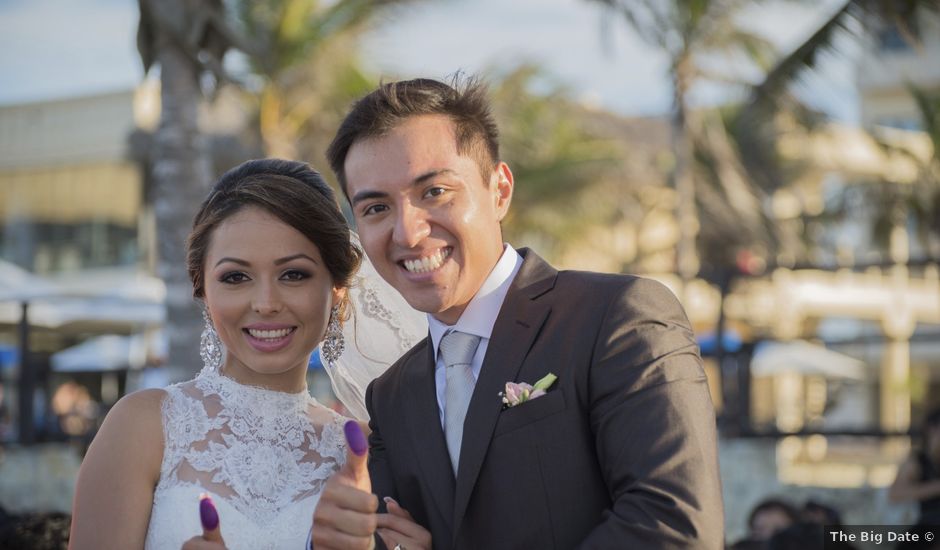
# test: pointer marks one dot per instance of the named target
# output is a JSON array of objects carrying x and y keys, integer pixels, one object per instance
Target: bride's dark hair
[{"x": 293, "y": 192}]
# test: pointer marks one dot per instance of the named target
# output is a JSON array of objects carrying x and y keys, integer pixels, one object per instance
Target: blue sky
[{"x": 61, "y": 48}]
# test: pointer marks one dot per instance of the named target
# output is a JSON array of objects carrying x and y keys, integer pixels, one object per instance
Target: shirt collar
[{"x": 480, "y": 315}]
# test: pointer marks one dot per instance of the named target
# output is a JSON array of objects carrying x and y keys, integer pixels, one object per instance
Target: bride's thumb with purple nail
[
  {"x": 211, "y": 530},
  {"x": 357, "y": 456}
]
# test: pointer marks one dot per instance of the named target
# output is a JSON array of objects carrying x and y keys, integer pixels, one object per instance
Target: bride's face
[{"x": 269, "y": 295}]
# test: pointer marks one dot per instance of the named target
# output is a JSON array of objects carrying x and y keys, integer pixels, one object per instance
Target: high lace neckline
[{"x": 213, "y": 381}]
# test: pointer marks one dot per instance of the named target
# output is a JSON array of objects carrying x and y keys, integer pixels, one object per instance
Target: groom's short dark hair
[{"x": 465, "y": 101}]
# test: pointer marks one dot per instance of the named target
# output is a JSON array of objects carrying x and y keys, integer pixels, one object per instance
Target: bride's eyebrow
[
  {"x": 233, "y": 260},
  {"x": 286, "y": 259},
  {"x": 279, "y": 261}
]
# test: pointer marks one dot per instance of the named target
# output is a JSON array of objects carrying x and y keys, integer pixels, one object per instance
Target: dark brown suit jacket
[{"x": 621, "y": 452}]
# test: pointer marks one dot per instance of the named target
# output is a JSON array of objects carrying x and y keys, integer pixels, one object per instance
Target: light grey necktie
[{"x": 457, "y": 349}]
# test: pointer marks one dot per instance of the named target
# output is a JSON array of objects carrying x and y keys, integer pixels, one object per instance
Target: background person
[{"x": 918, "y": 478}]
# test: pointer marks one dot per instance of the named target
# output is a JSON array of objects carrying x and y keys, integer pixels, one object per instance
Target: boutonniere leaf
[
  {"x": 518, "y": 393},
  {"x": 545, "y": 382}
]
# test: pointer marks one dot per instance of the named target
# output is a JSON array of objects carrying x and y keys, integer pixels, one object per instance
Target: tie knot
[{"x": 457, "y": 348}]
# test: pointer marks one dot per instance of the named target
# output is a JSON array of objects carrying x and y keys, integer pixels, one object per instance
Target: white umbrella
[
  {"x": 120, "y": 283},
  {"x": 19, "y": 285},
  {"x": 805, "y": 358},
  {"x": 109, "y": 352},
  {"x": 115, "y": 296},
  {"x": 63, "y": 311}
]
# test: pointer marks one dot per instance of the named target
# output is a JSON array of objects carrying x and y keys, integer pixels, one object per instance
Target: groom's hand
[
  {"x": 345, "y": 516},
  {"x": 397, "y": 527}
]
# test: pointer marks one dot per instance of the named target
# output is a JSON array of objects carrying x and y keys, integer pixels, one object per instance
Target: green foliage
[
  {"x": 305, "y": 57},
  {"x": 287, "y": 33},
  {"x": 568, "y": 173}
]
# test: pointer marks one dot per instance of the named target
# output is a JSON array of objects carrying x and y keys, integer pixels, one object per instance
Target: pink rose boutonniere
[{"x": 518, "y": 393}]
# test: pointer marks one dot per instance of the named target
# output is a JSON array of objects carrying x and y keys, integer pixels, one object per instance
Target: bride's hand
[
  {"x": 397, "y": 527},
  {"x": 211, "y": 538}
]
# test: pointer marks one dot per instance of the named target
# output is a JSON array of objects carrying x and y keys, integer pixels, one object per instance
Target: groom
[{"x": 619, "y": 452}]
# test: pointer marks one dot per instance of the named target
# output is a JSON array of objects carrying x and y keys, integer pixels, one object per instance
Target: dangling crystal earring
[
  {"x": 210, "y": 347},
  {"x": 333, "y": 343}
]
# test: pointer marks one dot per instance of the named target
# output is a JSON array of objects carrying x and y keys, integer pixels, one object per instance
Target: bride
[{"x": 274, "y": 263}]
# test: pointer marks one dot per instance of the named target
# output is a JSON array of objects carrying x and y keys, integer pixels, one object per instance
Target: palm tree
[
  {"x": 303, "y": 59},
  {"x": 894, "y": 204},
  {"x": 689, "y": 31},
  {"x": 858, "y": 17},
  {"x": 187, "y": 40}
]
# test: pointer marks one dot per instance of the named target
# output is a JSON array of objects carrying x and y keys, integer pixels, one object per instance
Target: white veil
[{"x": 380, "y": 329}]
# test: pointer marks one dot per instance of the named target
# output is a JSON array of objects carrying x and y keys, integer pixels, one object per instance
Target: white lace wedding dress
[{"x": 262, "y": 455}]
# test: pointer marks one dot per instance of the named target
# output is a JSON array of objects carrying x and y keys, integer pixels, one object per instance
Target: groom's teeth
[
  {"x": 269, "y": 334},
  {"x": 429, "y": 263}
]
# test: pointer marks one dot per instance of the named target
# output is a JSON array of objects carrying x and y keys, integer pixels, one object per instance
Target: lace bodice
[{"x": 263, "y": 455}]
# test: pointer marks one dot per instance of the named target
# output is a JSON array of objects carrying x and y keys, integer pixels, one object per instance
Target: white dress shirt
[{"x": 478, "y": 319}]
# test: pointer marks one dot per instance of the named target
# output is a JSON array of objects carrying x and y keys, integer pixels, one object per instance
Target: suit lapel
[
  {"x": 427, "y": 435},
  {"x": 520, "y": 320}
]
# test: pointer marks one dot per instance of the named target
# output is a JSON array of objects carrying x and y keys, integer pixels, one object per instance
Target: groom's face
[{"x": 427, "y": 217}]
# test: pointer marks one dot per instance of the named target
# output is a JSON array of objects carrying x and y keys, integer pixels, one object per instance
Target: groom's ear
[{"x": 502, "y": 189}]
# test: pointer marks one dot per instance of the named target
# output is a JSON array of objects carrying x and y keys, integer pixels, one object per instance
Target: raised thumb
[
  {"x": 357, "y": 456},
  {"x": 211, "y": 531}
]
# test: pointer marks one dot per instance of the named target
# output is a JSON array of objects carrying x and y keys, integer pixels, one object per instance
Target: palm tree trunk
[
  {"x": 687, "y": 261},
  {"x": 181, "y": 177}
]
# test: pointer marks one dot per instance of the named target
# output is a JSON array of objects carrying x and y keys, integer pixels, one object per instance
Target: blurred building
[
  {"x": 70, "y": 197},
  {"x": 72, "y": 226}
]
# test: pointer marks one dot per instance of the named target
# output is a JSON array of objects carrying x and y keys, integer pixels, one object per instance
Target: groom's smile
[
  {"x": 429, "y": 263},
  {"x": 426, "y": 216}
]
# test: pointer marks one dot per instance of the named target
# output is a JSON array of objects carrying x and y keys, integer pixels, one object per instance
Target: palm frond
[
  {"x": 644, "y": 17},
  {"x": 756, "y": 48},
  {"x": 928, "y": 104},
  {"x": 854, "y": 17},
  {"x": 764, "y": 97}
]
